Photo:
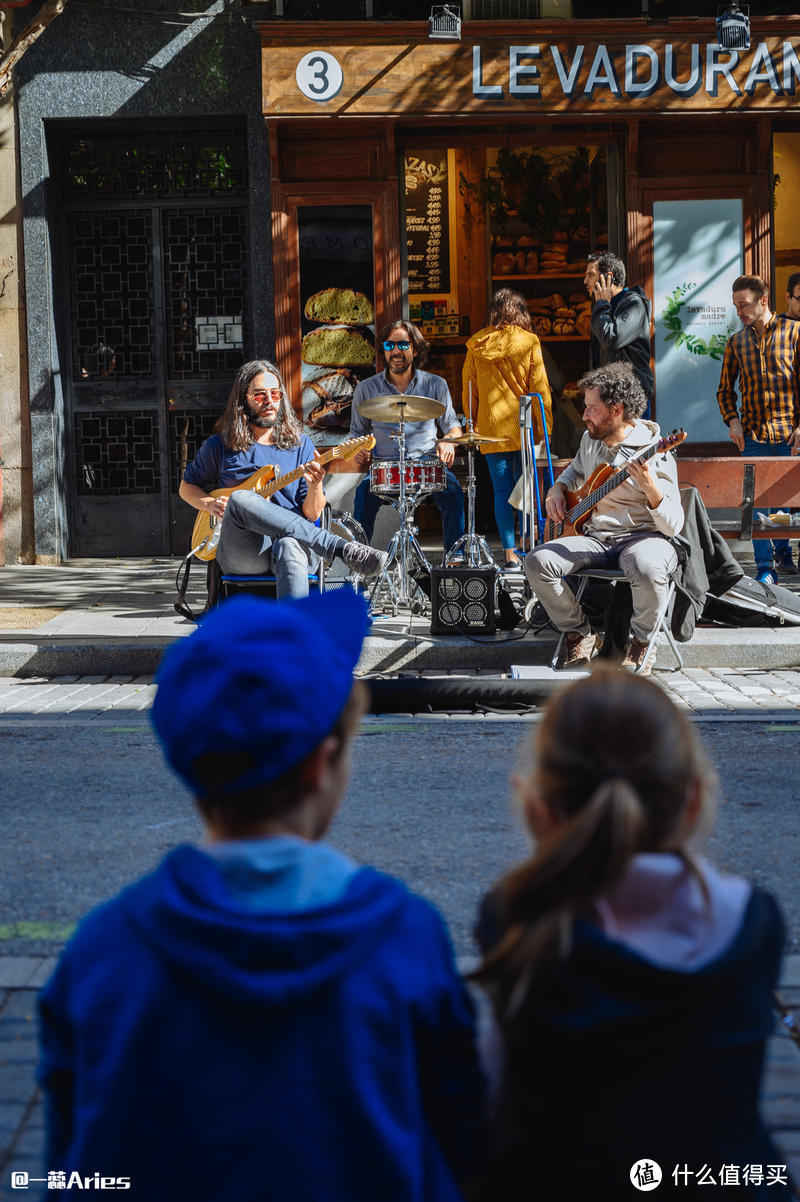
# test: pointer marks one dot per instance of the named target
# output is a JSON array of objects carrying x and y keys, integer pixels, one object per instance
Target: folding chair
[{"x": 662, "y": 626}]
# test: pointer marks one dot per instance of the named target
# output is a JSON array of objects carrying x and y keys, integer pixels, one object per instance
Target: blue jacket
[{"x": 211, "y": 1053}]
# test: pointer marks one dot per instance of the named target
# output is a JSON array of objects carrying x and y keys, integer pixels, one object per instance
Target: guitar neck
[
  {"x": 279, "y": 482},
  {"x": 608, "y": 486}
]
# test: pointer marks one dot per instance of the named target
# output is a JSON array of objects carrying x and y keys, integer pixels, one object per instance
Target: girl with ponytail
[{"x": 630, "y": 981}]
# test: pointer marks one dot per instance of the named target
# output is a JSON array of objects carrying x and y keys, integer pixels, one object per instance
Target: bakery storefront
[{"x": 413, "y": 177}]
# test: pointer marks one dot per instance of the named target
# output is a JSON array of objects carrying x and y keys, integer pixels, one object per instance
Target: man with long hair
[
  {"x": 404, "y": 351},
  {"x": 276, "y": 534}
]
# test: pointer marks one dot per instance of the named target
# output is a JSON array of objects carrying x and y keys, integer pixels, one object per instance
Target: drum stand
[
  {"x": 404, "y": 549},
  {"x": 474, "y": 546}
]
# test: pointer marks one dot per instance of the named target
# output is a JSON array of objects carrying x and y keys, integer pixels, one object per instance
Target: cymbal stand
[
  {"x": 473, "y": 545},
  {"x": 404, "y": 548}
]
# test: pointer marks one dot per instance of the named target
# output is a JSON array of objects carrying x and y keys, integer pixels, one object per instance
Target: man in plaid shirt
[{"x": 762, "y": 361}]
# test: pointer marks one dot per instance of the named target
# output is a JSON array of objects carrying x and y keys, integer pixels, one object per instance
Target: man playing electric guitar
[
  {"x": 274, "y": 534},
  {"x": 629, "y": 528}
]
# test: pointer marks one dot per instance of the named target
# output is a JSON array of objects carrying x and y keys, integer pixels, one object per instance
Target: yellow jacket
[{"x": 503, "y": 363}]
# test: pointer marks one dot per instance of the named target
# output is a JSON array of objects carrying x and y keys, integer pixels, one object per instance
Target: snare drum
[{"x": 421, "y": 476}]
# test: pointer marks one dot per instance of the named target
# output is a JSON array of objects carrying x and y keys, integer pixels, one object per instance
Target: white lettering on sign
[
  {"x": 516, "y": 69},
  {"x": 319, "y": 75},
  {"x": 641, "y": 70}
]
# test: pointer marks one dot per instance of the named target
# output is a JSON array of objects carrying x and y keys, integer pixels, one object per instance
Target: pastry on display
[{"x": 341, "y": 306}]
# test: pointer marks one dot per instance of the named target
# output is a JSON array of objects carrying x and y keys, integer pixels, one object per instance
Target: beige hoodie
[{"x": 625, "y": 510}]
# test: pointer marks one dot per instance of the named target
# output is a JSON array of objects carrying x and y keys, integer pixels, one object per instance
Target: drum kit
[{"x": 406, "y": 482}]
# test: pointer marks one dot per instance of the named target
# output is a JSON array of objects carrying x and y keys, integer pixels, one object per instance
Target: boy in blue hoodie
[{"x": 262, "y": 1018}]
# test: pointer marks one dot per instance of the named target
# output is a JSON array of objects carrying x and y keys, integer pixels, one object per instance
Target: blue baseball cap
[{"x": 266, "y": 679}]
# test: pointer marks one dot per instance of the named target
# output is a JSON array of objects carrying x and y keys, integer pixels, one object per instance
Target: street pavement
[{"x": 79, "y": 644}]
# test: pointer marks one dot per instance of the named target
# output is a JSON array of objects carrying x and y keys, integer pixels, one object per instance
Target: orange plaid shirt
[{"x": 768, "y": 372}]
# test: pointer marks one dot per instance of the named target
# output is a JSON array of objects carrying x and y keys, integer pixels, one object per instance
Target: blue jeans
[
  {"x": 764, "y": 549},
  {"x": 259, "y": 538},
  {"x": 505, "y": 468},
  {"x": 450, "y": 503}
]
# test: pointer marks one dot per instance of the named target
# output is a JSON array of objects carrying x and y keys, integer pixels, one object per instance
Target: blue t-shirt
[{"x": 214, "y": 466}]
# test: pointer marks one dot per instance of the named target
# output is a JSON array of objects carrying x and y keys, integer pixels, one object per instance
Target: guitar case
[{"x": 751, "y": 603}]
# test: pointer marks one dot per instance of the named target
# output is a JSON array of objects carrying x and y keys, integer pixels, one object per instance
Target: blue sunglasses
[{"x": 401, "y": 346}]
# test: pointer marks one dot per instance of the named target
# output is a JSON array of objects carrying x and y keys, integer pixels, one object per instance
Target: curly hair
[
  {"x": 234, "y": 425},
  {"x": 617, "y": 384},
  {"x": 508, "y": 308},
  {"x": 418, "y": 343}
]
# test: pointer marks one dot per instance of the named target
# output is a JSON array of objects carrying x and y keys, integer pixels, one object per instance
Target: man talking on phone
[
  {"x": 620, "y": 320},
  {"x": 404, "y": 351}
]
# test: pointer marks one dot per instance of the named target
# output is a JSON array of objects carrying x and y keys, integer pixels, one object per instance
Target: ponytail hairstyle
[
  {"x": 614, "y": 763},
  {"x": 234, "y": 425}
]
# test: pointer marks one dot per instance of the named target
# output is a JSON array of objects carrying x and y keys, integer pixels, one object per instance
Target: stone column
[{"x": 16, "y": 484}]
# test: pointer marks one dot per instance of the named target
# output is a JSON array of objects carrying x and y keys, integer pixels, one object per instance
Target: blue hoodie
[{"x": 210, "y": 1052}]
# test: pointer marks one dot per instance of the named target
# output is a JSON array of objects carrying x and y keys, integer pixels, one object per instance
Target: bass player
[
  {"x": 277, "y": 534},
  {"x": 628, "y": 529}
]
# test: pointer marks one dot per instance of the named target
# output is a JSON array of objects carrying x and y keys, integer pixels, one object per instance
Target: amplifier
[{"x": 463, "y": 600}]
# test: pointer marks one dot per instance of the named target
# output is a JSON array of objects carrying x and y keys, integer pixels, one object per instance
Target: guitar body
[
  {"x": 206, "y": 530},
  {"x": 574, "y": 499},
  {"x": 205, "y": 533}
]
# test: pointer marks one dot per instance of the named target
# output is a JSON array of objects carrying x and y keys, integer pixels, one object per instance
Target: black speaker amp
[{"x": 463, "y": 600}]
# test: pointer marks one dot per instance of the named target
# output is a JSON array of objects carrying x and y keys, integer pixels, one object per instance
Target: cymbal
[
  {"x": 472, "y": 439},
  {"x": 394, "y": 405}
]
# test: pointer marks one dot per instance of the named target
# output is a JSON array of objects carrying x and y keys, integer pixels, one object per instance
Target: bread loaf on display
[
  {"x": 337, "y": 346},
  {"x": 343, "y": 306}
]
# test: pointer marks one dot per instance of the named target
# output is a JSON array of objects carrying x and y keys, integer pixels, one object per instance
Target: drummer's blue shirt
[{"x": 421, "y": 437}]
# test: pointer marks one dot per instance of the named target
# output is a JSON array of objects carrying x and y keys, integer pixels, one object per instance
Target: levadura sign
[{"x": 536, "y": 76}]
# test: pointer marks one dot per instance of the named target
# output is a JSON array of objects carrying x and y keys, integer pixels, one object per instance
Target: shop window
[
  {"x": 337, "y": 307},
  {"x": 786, "y": 208}
]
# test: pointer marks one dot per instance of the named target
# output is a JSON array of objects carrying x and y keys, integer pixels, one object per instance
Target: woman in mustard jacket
[{"x": 504, "y": 361}]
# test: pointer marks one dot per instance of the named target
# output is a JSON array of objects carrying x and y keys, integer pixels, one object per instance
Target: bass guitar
[
  {"x": 602, "y": 481},
  {"x": 205, "y": 534}
]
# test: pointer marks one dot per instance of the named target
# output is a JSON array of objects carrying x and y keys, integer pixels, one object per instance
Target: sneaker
[
  {"x": 637, "y": 659},
  {"x": 365, "y": 561},
  {"x": 768, "y": 576},
  {"x": 785, "y": 566},
  {"x": 579, "y": 650}
]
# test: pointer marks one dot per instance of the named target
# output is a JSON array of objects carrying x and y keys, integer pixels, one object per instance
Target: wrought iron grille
[
  {"x": 138, "y": 164},
  {"x": 117, "y": 453},
  {"x": 187, "y": 430},
  {"x": 206, "y": 283},
  {"x": 110, "y": 263}
]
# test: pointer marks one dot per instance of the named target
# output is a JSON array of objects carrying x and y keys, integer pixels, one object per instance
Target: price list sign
[{"x": 427, "y": 222}]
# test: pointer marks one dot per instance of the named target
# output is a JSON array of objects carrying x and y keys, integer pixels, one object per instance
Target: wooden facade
[{"x": 686, "y": 120}]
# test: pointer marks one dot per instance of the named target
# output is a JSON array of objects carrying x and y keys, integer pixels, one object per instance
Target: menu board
[{"x": 427, "y": 221}]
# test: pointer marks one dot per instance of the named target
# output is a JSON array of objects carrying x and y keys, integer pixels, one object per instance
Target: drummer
[{"x": 404, "y": 350}]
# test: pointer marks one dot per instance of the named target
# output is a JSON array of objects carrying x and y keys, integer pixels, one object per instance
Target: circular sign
[{"x": 319, "y": 75}]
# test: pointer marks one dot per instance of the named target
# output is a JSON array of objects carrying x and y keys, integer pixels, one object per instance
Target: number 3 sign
[{"x": 319, "y": 75}]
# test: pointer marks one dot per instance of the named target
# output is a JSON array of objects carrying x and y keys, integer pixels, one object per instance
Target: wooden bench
[{"x": 733, "y": 487}]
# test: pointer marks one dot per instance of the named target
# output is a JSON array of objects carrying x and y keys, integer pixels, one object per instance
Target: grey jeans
[
  {"x": 260, "y": 538},
  {"x": 646, "y": 559}
]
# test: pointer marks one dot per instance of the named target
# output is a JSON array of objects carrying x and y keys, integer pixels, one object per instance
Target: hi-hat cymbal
[
  {"x": 471, "y": 438},
  {"x": 396, "y": 405}
]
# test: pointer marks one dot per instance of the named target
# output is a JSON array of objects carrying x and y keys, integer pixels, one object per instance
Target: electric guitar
[
  {"x": 205, "y": 534},
  {"x": 602, "y": 481}
]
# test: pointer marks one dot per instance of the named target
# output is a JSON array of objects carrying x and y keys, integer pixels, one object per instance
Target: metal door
[{"x": 155, "y": 240}]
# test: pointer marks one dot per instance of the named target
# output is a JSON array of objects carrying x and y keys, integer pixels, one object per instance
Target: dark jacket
[
  {"x": 622, "y": 1059},
  {"x": 621, "y": 333},
  {"x": 213, "y": 1053}
]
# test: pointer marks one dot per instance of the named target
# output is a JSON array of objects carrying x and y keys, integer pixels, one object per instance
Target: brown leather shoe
[
  {"x": 636, "y": 658},
  {"x": 579, "y": 650}
]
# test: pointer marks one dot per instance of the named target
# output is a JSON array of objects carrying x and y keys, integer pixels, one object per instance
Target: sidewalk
[
  {"x": 22, "y": 1117},
  {"x": 116, "y": 617}
]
